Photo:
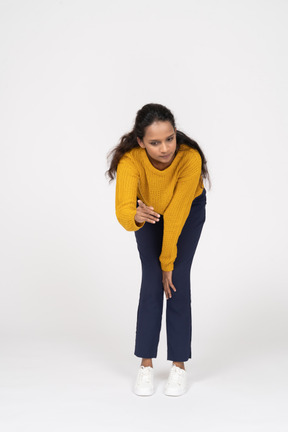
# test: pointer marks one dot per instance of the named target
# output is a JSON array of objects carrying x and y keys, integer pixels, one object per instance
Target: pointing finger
[{"x": 141, "y": 204}]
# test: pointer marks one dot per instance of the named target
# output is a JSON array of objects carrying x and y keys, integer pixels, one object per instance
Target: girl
[{"x": 160, "y": 196}]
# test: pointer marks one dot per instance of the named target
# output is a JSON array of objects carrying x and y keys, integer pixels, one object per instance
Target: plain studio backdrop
[{"x": 73, "y": 75}]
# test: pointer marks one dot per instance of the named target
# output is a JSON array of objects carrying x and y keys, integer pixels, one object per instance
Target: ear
[{"x": 140, "y": 143}]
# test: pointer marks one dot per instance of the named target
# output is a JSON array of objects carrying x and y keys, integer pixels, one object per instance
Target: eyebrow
[{"x": 158, "y": 140}]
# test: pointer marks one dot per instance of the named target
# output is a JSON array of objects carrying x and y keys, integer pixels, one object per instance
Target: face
[{"x": 160, "y": 143}]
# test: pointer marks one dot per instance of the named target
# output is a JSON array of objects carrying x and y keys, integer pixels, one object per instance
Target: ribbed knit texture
[{"x": 170, "y": 191}]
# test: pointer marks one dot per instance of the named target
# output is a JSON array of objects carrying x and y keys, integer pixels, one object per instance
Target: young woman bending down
[{"x": 160, "y": 196}]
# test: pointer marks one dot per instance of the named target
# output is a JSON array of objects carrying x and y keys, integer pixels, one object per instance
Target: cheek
[{"x": 152, "y": 152}]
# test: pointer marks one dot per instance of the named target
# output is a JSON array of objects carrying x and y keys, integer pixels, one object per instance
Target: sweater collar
[{"x": 148, "y": 164}]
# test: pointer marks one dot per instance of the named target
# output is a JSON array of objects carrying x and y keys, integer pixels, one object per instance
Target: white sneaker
[
  {"x": 144, "y": 385},
  {"x": 177, "y": 381}
]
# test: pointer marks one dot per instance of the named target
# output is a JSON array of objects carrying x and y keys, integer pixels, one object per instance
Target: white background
[{"x": 73, "y": 74}]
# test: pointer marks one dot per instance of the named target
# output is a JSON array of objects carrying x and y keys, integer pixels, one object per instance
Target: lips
[{"x": 166, "y": 156}]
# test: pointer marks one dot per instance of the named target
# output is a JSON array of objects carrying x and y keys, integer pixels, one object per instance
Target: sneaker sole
[
  {"x": 174, "y": 393},
  {"x": 143, "y": 392}
]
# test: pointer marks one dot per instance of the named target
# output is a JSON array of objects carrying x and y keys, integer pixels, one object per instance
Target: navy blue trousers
[{"x": 178, "y": 309}]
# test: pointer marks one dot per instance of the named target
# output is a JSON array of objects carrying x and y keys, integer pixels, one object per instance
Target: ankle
[
  {"x": 179, "y": 364},
  {"x": 146, "y": 362}
]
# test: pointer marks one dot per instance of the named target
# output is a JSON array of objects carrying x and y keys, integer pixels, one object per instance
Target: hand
[
  {"x": 145, "y": 214},
  {"x": 167, "y": 283}
]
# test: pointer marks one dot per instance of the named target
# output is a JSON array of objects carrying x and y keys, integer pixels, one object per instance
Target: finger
[
  {"x": 151, "y": 220},
  {"x": 145, "y": 211},
  {"x": 148, "y": 217},
  {"x": 167, "y": 295},
  {"x": 167, "y": 291},
  {"x": 149, "y": 210},
  {"x": 145, "y": 218},
  {"x": 173, "y": 287},
  {"x": 141, "y": 204},
  {"x": 152, "y": 214}
]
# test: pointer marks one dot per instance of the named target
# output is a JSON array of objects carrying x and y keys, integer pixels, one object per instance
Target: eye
[{"x": 170, "y": 138}]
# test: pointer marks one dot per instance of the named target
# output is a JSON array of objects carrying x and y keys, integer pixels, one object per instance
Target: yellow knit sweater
[{"x": 170, "y": 191}]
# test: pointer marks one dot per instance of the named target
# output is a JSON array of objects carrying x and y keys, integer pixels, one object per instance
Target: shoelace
[
  {"x": 145, "y": 374},
  {"x": 175, "y": 375}
]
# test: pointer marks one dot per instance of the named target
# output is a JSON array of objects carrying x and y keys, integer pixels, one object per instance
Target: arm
[
  {"x": 126, "y": 194},
  {"x": 178, "y": 210}
]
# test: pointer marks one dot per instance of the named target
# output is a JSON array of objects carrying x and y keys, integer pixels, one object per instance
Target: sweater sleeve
[
  {"x": 178, "y": 210},
  {"x": 127, "y": 179}
]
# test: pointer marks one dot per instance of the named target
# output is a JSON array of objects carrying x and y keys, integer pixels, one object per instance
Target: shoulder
[
  {"x": 132, "y": 155},
  {"x": 189, "y": 156},
  {"x": 130, "y": 160}
]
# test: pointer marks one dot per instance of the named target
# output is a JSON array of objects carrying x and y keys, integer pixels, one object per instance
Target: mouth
[{"x": 166, "y": 156}]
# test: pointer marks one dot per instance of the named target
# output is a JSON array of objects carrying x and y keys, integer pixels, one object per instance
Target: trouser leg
[
  {"x": 178, "y": 311},
  {"x": 150, "y": 307}
]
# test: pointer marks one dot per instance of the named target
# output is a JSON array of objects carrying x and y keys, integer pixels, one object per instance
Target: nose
[{"x": 164, "y": 149}]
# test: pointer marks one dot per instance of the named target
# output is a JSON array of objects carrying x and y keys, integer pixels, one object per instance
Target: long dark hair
[{"x": 147, "y": 115}]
